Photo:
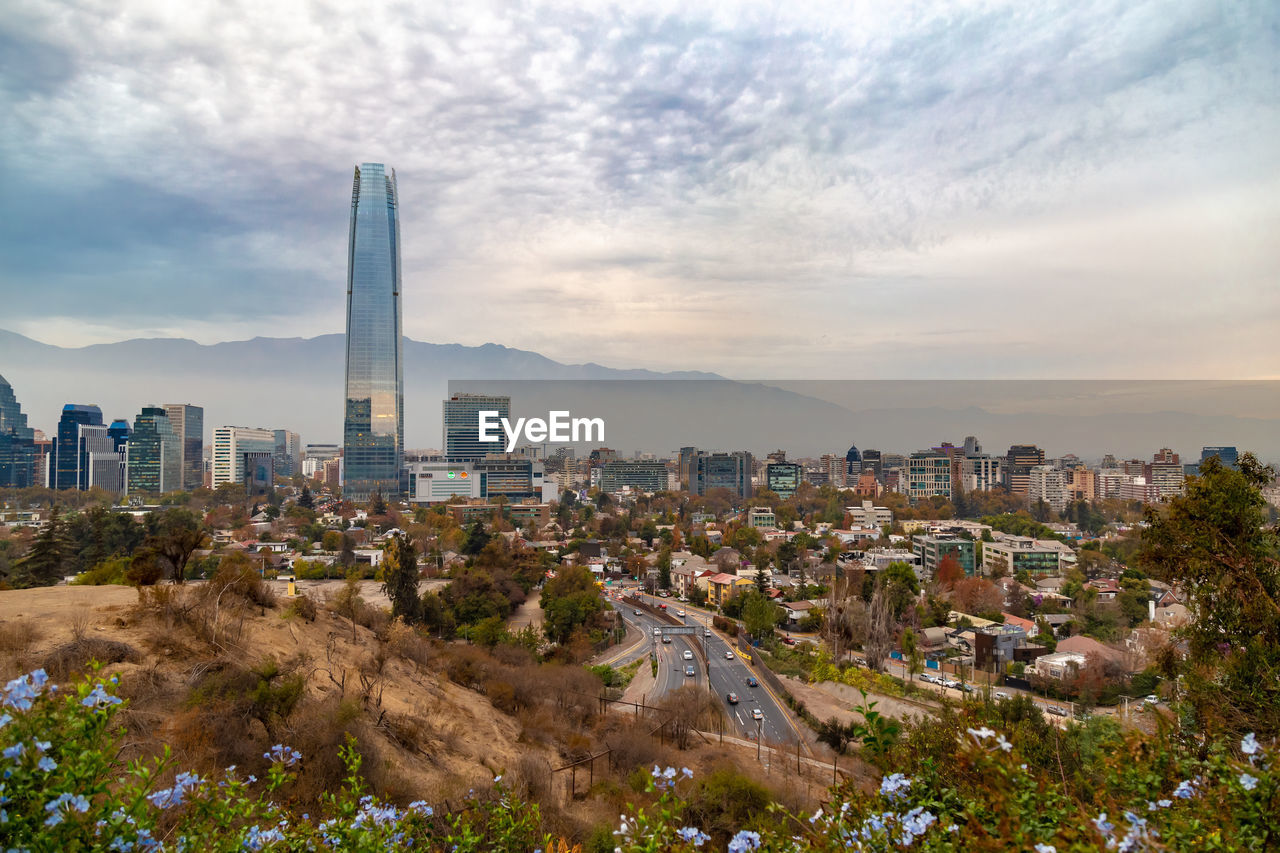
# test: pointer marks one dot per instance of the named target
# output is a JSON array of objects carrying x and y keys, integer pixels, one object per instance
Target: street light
[{"x": 759, "y": 723}]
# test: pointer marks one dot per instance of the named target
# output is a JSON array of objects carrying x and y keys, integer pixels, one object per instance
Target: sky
[{"x": 845, "y": 190}]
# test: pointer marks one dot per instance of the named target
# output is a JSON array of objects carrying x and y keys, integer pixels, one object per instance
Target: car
[
  {"x": 682, "y": 599},
  {"x": 688, "y": 672},
  {"x": 688, "y": 655},
  {"x": 1153, "y": 699},
  {"x": 859, "y": 662},
  {"x": 657, "y": 632},
  {"x": 1056, "y": 711},
  {"x": 924, "y": 676},
  {"x": 751, "y": 681},
  {"x": 662, "y": 606},
  {"x": 950, "y": 682},
  {"x": 731, "y": 698},
  {"x": 680, "y": 613},
  {"x": 1000, "y": 694},
  {"x": 728, "y": 655},
  {"x": 666, "y": 639},
  {"x": 790, "y": 641},
  {"x": 636, "y": 612},
  {"x": 707, "y": 633},
  {"x": 967, "y": 688},
  {"x": 757, "y": 714}
]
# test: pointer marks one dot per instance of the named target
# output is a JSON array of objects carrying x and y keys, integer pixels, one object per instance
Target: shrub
[{"x": 304, "y": 607}]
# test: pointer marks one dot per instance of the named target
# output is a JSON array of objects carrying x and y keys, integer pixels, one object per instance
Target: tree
[
  {"x": 879, "y": 635},
  {"x": 949, "y": 571},
  {"x": 177, "y": 535},
  {"x": 46, "y": 564},
  {"x": 306, "y": 499},
  {"x": 400, "y": 584},
  {"x": 569, "y": 600},
  {"x": 1212, "y": 541},
  {"x": 759, "y": 615},
  {"x": 378, "y": 504},
  {"x": 664, "y": 568},
  {"x": 331, "y": 540},
  {"x": 477, "y": 538},
  {"x": 900, "y": 586},
  {"x": 348, "y": 556},
  {"x": 911, "y": 651}
]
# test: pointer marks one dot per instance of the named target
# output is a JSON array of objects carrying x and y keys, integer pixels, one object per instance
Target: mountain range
[{"x": 297, "y": 384}]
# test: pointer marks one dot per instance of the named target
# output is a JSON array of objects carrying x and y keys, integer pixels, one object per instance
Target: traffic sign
[{"x": 677, "y": 630}]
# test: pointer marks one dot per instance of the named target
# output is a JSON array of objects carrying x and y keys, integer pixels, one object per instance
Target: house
[
  {"x": 1106, "y": 588},
  {"x": 798, "y": 610},
  {"x": 722, "y": 586},
  {"x": 1086, "y": 646},
  {"x": 1060, "y": 665},
  {"x": 932, "y": 639}
]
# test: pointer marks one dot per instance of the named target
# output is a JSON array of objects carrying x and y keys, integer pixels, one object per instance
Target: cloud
[{"x": 772, "y": 191}]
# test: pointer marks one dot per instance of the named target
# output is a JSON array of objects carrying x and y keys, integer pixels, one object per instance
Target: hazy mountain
[{"x": 297, "y": 384}]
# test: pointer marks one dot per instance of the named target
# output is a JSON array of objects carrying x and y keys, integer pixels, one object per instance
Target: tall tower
[
  {"x": 373, "y": 425},
  {"x": 188, "y": 422}
]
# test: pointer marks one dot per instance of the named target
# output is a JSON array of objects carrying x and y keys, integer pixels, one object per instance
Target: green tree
[
  {"x": 378, "y": 504},
  {"x": 46, "y": 564},
  {"x": 911, "y": 651},
  {"x": 664, "y": 568},
  {"x": 759, "y": 615},
  {"x": 306, "y": 499},
  {"x": 477, "y": 538},
  {"x": 1212, "y": 540},
  {"x": 569, "y": 600},
  {"x": 400, "y": 584},
  {"x": 176, "y": 535}
]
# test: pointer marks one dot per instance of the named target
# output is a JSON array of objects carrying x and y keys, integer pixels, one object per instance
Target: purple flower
[
  {"x": 693, "y": 834},
  {"x": 1185, "y": 790},
  {"x": 894, "y": 787},
  {"x": 1249, "y": 746},
  {"x": 744, "y": 841},
  {"x": 1248, "y": 782}
]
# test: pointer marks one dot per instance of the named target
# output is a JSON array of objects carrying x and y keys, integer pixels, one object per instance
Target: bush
[
  {"x": 112, "y": 571},
  {"x": 304, "y": 607}
]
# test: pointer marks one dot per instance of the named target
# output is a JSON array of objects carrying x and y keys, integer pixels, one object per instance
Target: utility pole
[{"x": 758, "y": 724}]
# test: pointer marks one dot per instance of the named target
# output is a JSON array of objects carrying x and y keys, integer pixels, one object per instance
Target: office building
[
  {"x": 154, "y": 454},
  {"x": 70, "y": 465},
  {"x": 373, "y": 425},
  {"x": 1019, "y": 461},
  {"x": 243, "y": 455},
  {"x": 1010, "y": 555},
  {"x": 43, "y": 446},
  {"x": 437, "y": 479},
  {"x": 852, "y": 464},
  {"x": 783, "y": 478},
  {"x": 17, "y": 443},
  {"x": 933, "y": 549},
  {"x": 928, "y": 473},
  {"x": 981, "y": 473},
  {"x": 119, "y": 432},
  {"x": 730, "y": 471},
  {"x": 461, "y": 423},
  {"x": 872, "y": 461},
  {"x": 1164, "y": 473},
  {"x": 102, "y": 462},
  {"x": 868, "y": 515},
  {"x": 287, "y": 457},
  {"x": 639, "y": 475},
  {"x": 1228, "y": 455},
  {"x": 188, "y": 423}
]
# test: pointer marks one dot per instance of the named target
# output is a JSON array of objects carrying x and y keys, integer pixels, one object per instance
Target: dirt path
[
  {"x": 830, "y": 699},
  {"x": 529, "y": 613}
]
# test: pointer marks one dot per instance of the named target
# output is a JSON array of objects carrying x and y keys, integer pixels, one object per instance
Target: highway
[{"x": 726, "y": 675}]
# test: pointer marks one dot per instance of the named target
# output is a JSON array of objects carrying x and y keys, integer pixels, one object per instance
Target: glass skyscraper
[
  {"x": 462, "y": 425},
  {"x": 71, "y": 465},
  {"x": 17, "y": 442},
  {"x": 373, "y": 424},
  {"x": 155, "y": 454}
]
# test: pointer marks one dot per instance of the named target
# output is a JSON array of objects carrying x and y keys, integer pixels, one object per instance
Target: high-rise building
[
  {"x": 639, "y": 475},
  {"x": 119, "y": 432},
  {"x": 461, "y": 419},
  {"x": 1229, "y": 455},
  {"x": 1165, "y": 473},
  {"x": 831, "y": 469},
  {"x": 188, "y": 424},
  {"x": 928, "y": 473},
  {"x": 155, "y": 454},
  {"x": 686, "y": 466},
  {"x": 17, "y": 443},
  {"x": 1048, "y": 484},
  {"x": 730, "y": 471},
  {"x": 1019, "y": 461},
  {"x": 852, "y": 464},
  {"x": 240, "y": 452},
  {"x": 373, "y": 425},
  {"x": 288, "y": 453},
  {"x": 44, "y": 457},
  {"x": 872, "y": 461},
  {"x": 783, "y": 478},
  {"x": 71, "y": 461}
]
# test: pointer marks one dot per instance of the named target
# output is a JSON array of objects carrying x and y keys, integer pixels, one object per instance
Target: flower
[
  {"x": 100, "y": 698},
  {"x": 1101, "y": 823},
  {"x": 47, "y": 764},
  {"x": 281, "y": 754},
  {"x": 1185, "y": 790},
  {"x": 697, "y": 836},
  {"x": 61, "y": 805},
  {"x": 1249, "y": 745},
  {"x": 982, "y": 733},
  {"x": 1046, "y": 848},
  {"x": 744, "y": 841},
  {"x": 421, "y": 807},
  {"x": 1248, "y": 782},
  {"x": 13, "y": 753},
  {"x": 894, "y": 787},
  {"x": 1003, "y": 744},
  {"x": 688, "y": 774}
]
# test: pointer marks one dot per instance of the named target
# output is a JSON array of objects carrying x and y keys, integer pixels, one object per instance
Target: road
[{"x": 727, "y": 675}]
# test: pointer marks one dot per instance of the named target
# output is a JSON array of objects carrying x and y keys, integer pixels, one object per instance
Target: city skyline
[{"x": 665, "y": 183}]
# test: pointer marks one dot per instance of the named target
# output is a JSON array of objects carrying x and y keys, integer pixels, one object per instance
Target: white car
[
  {"x": 688, "y": 655},
  {"x": 680, "y": 613},
  {"x": 1000, "y": 694},
  {"x": 728, "y": 655},
  {"x": 757, "y": 714},
  {"x": 924, "y": 676}
]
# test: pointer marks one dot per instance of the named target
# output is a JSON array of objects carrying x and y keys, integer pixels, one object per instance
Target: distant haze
[{"x": 295, "y": 383}]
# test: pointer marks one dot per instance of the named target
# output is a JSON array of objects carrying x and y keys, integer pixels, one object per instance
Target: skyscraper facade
[
  {"x": 238, "y": 453},
  {"x": 373, "y": 425},
  {"x": 17, "y": 442},
  {"x": 462, "y": 425},
  {"x": 155, "y": 454},
  {"x": 188, "y": 422},
  {"x": 71, "y": 456}
]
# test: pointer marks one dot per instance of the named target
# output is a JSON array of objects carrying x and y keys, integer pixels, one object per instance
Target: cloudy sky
[{"x": 850, "y": 190}]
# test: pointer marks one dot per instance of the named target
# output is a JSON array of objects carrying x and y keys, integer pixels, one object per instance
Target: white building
[
  {"x": 980, "y": 473},
  {"x": 233, "y": 445},
  {"x": 1048, "y": 484},
  {"x": 1060, "y": 665},
  {"x": 869, "y": 516}
]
